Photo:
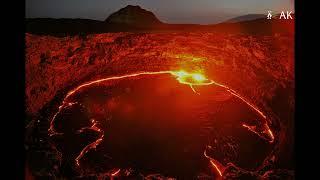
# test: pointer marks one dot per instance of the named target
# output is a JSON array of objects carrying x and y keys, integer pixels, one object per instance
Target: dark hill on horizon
[
  {"x": 133, "y": 15},
  {"x": 135, "y": 19},
  {"x": 247, "y": 17}
]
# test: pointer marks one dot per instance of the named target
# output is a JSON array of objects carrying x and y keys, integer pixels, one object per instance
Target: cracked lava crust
[{"x": 153, "y": 124}]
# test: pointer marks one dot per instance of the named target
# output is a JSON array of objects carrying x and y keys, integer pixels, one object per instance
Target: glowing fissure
[
  {"x": 115, "y": 173},
  {"x": 51, "y": 129},
  {"x": 194, "y": 90},
  {"x": 215, "y": 164},
  {"x": 191, "y": 79},
  {"x": 267, "y": 131},
  {"x": 181, "y": 77},
  {"x": 92, "y": 145},
  {"x": 216, "y": 167}
]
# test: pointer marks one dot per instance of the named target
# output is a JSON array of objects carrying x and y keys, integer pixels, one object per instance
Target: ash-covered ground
[{"x": 259, "y": 67}]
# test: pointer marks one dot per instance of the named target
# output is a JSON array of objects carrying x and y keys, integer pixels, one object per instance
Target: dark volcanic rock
[
  {"x": 247, "y": 17},
  {"x": 133, "y": 15},
  {"x": 135, "y": 19}
]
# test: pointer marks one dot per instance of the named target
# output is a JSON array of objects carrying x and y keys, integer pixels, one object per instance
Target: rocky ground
[
  {"x": 241, "y": 61},
  {"x": 260, "y": 68}
]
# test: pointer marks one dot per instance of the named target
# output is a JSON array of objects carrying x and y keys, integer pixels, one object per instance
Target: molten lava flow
[
  {"x": 215, "y": 164},
  {"x": 52, "y": 130},
  {"x": 267, "y": 132},
  {"x": 191, "y": 79},
  {"x": 216, "y": 167},
  {"x": 91, "y": 145},
  {"x": 115, "y": 173}
]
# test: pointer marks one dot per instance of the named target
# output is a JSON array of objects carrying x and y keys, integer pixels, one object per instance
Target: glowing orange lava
[
  {"x": 191, "y": 79},
  {"x": 115, "y": 173},
  {"x": 183, "y": 77},
  {"x": 269, "y": 135},
  {"x": 91, "y": 145},
  {"x": 215, "y": 164},
  {"x": 216, "y": 167}
]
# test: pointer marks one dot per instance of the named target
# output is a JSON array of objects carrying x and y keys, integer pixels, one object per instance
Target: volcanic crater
[{"x": 118, "y": 104}]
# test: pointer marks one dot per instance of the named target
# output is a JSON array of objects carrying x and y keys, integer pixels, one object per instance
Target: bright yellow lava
[
  {"x": 198, "y": 77},
  {"x": 191, "y": 78}
]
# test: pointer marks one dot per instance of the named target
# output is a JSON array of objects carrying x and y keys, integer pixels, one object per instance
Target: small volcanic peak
[{"x": 133, "y": 15}]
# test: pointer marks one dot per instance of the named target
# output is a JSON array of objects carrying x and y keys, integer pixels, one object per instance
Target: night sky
[{"x": 169, "y": 11}]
